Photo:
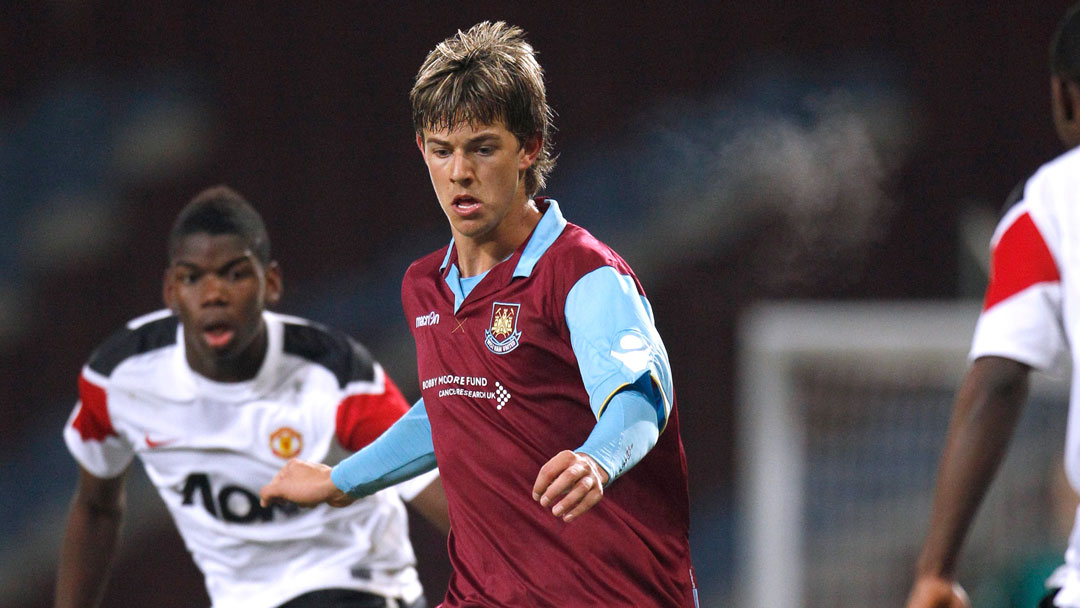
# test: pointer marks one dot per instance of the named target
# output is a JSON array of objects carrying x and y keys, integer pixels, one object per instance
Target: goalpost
[{"x": 842, "y": 414}]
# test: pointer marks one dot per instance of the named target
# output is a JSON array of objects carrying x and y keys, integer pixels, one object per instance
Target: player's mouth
[
  {"x": 218, "y": 335},
  {"x": 465, "y": 205}
]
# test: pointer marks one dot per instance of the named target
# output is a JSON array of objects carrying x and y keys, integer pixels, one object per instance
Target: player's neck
[{"x": 477, "y": 255}]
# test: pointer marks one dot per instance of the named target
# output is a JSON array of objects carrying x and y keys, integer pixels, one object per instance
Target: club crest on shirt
[
  {"x": 286, "y": 442},
  {"x": 502, "y": 335}
]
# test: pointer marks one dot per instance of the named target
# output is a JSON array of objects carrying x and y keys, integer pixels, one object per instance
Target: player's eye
[
  {"x": 239, "y": 273},
  {"x": 485, "y": 150},
  {"x": 188, "y": 278}
]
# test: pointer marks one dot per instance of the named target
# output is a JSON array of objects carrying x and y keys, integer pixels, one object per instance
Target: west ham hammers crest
[{"x": 502, "y": 335}]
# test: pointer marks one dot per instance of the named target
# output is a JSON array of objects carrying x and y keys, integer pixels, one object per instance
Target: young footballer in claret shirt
[{"x": 547, "y": 398}]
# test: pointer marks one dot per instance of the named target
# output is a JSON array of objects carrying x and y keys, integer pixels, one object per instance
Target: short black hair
[
  {"x": 221, "y": 210},
  {"x": 1065, "y": 47}
]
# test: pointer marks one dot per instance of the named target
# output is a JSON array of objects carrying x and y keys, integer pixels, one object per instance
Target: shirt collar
[
  {"x": 550, "y": 227},
  {"x": 547, "y": 230}
]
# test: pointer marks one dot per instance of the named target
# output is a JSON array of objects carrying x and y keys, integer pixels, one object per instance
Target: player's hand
[
  {"x": 573, "y": 476},
  {"x": 936, "y": 592},
  {"x": 304, "y": 483}
]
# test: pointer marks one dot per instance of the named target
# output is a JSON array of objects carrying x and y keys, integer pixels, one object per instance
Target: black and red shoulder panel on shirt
[
  {"x": 361, "y": 416},
  {"x": 348, "y": 360},
  {"x": 1020, "y": 258},
  {"x": 128, "y": 342}
]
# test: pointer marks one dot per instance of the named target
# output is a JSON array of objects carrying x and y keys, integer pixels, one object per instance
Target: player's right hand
[
  {"x": 573, "y": 479},
  {"x": 304, "y": 483},
  {"x": 937, "y": 592}
]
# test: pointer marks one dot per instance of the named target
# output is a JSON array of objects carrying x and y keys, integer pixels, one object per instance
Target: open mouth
[
  {"x": 218, "y": 335},
  {"x": 465, "y": 204}
]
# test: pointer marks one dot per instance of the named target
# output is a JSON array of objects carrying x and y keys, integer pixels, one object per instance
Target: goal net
[{"x": 843, "y": 410}]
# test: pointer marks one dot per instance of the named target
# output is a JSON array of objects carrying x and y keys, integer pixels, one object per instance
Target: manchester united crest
[
  {"x": 502, "y": 335},
  {"x": 286, "y": 442}
]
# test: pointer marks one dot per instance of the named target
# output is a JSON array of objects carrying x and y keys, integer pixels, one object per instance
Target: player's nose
[
  {"x": 213, "y": 291},
  {"x": 460, "y": 168}
]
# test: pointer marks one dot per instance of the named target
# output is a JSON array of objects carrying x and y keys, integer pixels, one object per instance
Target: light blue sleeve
[
  {"x": 625, "y": 432},
  {"x": 623, "y": 365},
  {"x": 616, "y": 342},
  {"x": 402, "y": 452}
]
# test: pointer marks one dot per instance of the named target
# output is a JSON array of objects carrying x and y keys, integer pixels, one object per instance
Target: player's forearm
[
  {"x": 987, "y": 408},
  {"x": 404, "y": 451},
  {"x": 86, "y": 554},
  {"x": 624, "y": 434}
]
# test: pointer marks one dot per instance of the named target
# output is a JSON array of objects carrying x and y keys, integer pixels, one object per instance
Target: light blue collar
[
  {"x": 547, "y": 230},
  {"x": 550, "y": 227}
]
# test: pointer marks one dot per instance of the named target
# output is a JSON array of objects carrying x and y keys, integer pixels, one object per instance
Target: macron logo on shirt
[{"x": 431, "y": 318}]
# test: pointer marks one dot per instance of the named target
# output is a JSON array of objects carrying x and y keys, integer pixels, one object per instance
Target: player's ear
[
  {"x": 1063, "y": 94},
  {"x": 168, "y": 292},
  {"x": 1065, "y": 97},
  {"x": 530, "y": 150},
  {"x": 420, "y": 143},
  {"x": 274, "y": 283},
  {"x": 1072, "y": 97}
]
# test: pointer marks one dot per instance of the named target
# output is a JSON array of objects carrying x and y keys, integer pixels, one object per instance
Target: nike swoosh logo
[{"x": 157, "y": 444}]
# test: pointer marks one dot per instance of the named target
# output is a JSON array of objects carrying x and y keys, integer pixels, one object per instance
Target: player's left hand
[{"x": 574, "y": 476}]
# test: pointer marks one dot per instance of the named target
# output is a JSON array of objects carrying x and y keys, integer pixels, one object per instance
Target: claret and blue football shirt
[{"x": 514, "y": 369}]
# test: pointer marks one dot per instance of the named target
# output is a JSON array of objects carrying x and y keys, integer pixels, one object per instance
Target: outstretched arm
[
  {"x": 985, "y": 414},
  {"x": 89, "y": 545},
  {"x": 404, "y": 451}
]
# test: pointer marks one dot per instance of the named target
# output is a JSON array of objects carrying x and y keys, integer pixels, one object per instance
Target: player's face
[
  {"x": 219, "y": 289},
  {"x": 479, "y": 177}
]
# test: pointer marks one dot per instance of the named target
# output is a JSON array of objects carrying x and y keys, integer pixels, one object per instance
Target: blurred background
[{"x": 828, "y": 153}]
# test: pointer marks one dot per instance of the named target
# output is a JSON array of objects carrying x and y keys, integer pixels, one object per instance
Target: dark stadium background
[{"x": 113, "y": 114}]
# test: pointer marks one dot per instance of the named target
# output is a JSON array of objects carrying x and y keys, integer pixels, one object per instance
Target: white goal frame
[{"x": 773, "y": 339}]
